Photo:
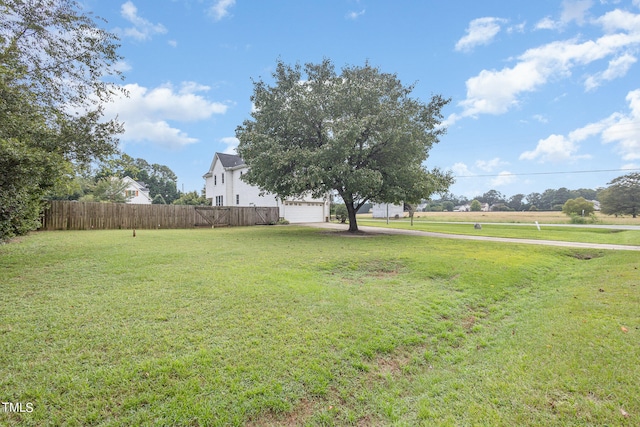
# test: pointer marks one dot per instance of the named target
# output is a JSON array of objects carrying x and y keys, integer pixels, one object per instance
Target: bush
[
  {"x": 578, "y": 207},
  {"x": 341, "y": 213},
  {"x": 579, "y": 219}
]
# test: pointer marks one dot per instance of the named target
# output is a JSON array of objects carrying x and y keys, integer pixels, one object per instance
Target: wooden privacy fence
[{"x": 68, "y": 215}]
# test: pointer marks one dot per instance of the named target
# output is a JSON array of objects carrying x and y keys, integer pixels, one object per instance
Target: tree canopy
[
  {"x": 53, "y": 60},
  {"x": 579, "y": 206},
  {"x": 622, "y": 197},
  {"x": 159, "y": 179},
  {"x": 358, "y": 133}
]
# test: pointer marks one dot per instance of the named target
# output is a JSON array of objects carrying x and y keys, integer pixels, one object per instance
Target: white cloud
[
  {"x": 142, "y": 29},
  {"x": 481, "y": 31},
  {"x": 503, "y": 178},
  {"x": 220, "y": 9},
  {"x": 498, "y": 91},
  {"x": 619, "y": 20},
  {"x": 231, "y": 143},
  {"x": 355, "y": 15},
  {"x": 546, "y": 23},
  {"x": 489, "y": 165},
  {"x": 618, "y": 67},
  {"x": 146, "y": 113},
  {"x": 555, "y": 149},
  {"x": 624, "y": 129},
  {"x": 460, "y": 169},
  {"x": 122, "y": 66},
  {"x": 575, "y": 11},
  {"x": 540, "y": 118},
  {"x": 620, "y": 129},
  {"x": 572, "y": 11}
]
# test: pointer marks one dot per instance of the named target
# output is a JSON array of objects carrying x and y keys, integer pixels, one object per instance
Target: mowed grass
[
  {"x": 529, "y": 231},
  {"x": 292, "y": 326}
]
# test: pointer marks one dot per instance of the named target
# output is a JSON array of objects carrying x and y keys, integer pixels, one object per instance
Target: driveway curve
[{"x": 382, "y": 230}]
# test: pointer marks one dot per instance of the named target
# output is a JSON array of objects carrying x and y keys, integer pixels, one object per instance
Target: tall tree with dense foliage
[
  {"x": 358, "y": 133},
  {"x": 579, "y": 206},
  {"x": 622, "y": 196},
  {"x": 53, "y": 59}
]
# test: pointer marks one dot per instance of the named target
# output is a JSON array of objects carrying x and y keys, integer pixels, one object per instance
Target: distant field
[
  {"x": 292, "y": 326},
  {"x": 541, "y": 217}
]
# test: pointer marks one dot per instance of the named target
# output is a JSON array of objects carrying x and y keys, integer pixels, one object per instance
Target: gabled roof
[
  {"x": 137, "y": 184},
  {"x": 230, "y": 160}
]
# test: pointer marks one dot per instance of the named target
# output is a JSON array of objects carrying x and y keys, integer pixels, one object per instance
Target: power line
[{"x": 544, "y": 173}]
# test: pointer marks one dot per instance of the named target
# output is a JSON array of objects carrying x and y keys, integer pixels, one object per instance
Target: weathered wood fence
[{"x": 69, "y": 215}]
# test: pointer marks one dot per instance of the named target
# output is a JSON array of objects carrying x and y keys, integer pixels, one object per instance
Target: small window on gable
[
  {"x": 237, "y": 199},
  {"x": 222, "y": 178},
  {"x": 215, "y": 179}
]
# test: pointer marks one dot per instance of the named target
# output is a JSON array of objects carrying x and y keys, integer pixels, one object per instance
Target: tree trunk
[{"x": 353, "y": 224}]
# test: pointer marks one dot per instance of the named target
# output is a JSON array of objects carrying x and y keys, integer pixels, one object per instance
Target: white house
[
  {"x": 224, "y": 186},
  {"x": 136, "y": 192},
  {"x": 382, "y": 210}
]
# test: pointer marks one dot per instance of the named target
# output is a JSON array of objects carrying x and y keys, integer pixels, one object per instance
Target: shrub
[
  {"x": 341, "y": 213},
  {"x": 579, "y": 207}
]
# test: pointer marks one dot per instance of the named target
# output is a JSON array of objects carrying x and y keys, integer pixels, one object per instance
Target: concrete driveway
[{"x": 382, "y": 230}]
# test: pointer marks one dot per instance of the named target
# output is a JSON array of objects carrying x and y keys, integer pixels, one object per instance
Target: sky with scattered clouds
[{"x": 543, "y": 94}]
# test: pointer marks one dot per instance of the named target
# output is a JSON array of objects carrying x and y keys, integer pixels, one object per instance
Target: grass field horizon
[
  {"x": 543, "y": 217},
  {"x": 295, "y": 326}
]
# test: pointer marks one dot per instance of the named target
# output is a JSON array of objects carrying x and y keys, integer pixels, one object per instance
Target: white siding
[{"x": 305, "y": 209}]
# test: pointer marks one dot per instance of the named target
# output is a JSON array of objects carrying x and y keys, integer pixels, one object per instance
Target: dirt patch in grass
[
  {"x": 296, "y": 417},
  {"x": 585, "y": 256},
  {"x": 359, "y": 271}
]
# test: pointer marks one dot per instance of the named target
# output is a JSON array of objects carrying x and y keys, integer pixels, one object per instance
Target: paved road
[{"x": 382, "y": 230}]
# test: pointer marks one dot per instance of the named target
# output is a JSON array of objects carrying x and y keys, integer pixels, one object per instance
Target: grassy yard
[
  {"x": 291, "y": 326},
  {"x": 529, "y": 231}
]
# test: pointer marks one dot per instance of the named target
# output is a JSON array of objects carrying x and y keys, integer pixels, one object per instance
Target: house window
[
  {"x": 215, "y": 179},
  {"x": 222, "y": 176},
  {"x": 219, "y": 201},
  {"x": 131, "y": 193},
  {"x": 237, "y": 199}
]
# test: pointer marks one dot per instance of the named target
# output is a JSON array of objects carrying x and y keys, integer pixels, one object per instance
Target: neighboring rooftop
[{"x": 230, "y": 160}]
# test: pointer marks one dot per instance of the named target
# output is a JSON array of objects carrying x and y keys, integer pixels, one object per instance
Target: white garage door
[{"x": 302, "y": 212}]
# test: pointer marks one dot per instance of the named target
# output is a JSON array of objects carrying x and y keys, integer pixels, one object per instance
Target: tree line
[
  {"x": 550, "y": 199},
  {"x": 104, "y": 183},
  {"x": 620, "y": 197}
]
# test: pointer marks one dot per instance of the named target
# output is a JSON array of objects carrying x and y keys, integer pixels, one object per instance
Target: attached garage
[
  {"x": 297, "y": 212},
  {"x": 225, "y": 187}
]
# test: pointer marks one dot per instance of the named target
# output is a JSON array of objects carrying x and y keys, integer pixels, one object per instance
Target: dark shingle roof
[{"x": 230, "y": 160}]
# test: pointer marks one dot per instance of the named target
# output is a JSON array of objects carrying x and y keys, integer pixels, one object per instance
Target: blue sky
[{"x": 545, "y": 94}]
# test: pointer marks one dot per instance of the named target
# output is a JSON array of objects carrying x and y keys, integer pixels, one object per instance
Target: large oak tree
[
  {"x": 358, "y": 133},
  {"x": 622, "y": 196},
  {"x": 53, "y": 62}
]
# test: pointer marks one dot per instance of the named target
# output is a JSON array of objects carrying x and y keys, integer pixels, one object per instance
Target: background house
[
  {"x": 136, "y": 192},
  {"x": 224, "y": 186}
]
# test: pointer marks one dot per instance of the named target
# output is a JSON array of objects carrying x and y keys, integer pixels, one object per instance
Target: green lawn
[
  {"x": 530, "y": 231},
  {"x": 292, "y": 326}
]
